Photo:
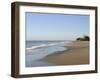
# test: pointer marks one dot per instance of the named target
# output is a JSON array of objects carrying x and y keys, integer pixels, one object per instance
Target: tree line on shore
[{"x": 85, "y": 38}]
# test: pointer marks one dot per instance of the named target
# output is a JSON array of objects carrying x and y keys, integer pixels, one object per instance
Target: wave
[
  {"x": 41, "y": 46},
  {"x": 47, "y": 45}
]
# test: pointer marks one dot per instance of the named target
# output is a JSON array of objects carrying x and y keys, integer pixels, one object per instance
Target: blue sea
[{"x": 37, "y": 50}]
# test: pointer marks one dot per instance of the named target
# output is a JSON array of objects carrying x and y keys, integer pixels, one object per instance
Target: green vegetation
[{"x": 85, "y": 38}]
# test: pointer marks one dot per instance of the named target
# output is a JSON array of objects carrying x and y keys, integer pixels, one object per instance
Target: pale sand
[{"x": 77, "y": 53}]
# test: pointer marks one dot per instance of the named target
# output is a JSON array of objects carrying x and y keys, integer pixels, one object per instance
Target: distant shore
[{"x": 77, "y": 53}]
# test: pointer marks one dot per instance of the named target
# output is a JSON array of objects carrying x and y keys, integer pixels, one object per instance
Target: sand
[{"x": 77, "y": 53}]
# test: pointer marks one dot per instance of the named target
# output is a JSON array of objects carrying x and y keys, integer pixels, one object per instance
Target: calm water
[{"x": 37, "y": 50}]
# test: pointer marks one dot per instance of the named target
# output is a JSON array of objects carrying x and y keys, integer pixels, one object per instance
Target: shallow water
[{"x": 34, "y": 55}]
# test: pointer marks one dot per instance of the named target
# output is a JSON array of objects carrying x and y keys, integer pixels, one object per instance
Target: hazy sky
[{"x": 43, "y": 26}]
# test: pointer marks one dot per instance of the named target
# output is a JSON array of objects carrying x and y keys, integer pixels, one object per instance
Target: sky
[{"x": 50, "y": 26}]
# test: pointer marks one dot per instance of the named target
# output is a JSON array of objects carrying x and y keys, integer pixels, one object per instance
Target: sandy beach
[{"x": 77, "y": 53}]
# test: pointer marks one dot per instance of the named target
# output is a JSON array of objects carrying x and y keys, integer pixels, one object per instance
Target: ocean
[{"x": 37, "y": 50}]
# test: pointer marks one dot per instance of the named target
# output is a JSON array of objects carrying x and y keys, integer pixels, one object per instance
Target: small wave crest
[{"x": 41, "y": 46}]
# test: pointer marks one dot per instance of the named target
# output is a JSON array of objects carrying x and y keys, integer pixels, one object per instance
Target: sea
[{"x": 37, "y": 50}]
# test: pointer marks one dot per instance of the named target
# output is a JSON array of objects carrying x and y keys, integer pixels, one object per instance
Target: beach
[{"x": 77, "y": 53}]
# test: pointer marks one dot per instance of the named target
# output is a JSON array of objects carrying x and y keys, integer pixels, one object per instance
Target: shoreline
[{"x": 77, "y": 53}]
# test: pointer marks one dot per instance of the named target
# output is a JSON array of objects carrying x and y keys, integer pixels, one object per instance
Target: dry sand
[{"x": 77, "y": 53}]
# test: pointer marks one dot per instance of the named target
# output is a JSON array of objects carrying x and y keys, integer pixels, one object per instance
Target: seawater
[{"x": 37, "y": 50}]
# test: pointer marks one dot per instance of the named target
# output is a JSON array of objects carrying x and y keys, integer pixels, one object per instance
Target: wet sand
[{"x": 77, "y": 53}]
